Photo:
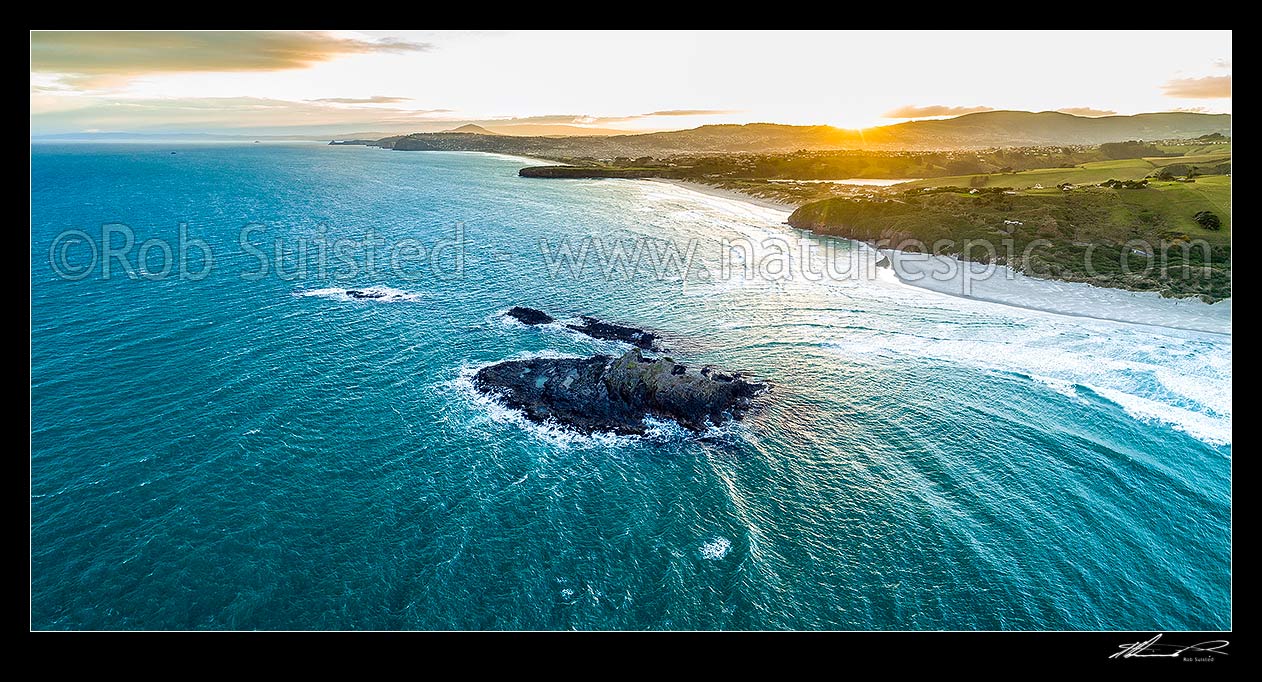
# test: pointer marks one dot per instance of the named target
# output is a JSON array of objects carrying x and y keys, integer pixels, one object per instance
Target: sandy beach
[
  {"x": 1005, "y": 286},
  {"x": 727, "y": 194}
]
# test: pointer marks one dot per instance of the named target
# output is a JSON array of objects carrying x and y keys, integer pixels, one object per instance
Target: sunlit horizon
[{"x": 324, "y": 83}]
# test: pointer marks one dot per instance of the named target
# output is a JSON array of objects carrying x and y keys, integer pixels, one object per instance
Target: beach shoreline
[
  {"x": 702, "y": 188},
  {"x": 1215, "y": 321},
  {"x": 1006, "y": 287}
]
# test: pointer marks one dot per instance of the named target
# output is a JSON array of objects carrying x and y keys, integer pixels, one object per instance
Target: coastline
[
  {"x": 702, "y": 188},
  {"x": 1001, "y": 285},
  {"x": 1006, "y": 287}
]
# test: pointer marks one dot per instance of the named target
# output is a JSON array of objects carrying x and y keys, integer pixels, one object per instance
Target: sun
[{"x": 858, "y": 122}]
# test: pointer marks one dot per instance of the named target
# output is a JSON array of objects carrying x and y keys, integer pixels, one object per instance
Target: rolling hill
[
  {"x": 472, "y": 128},
  {"x": 980, "y": 130}
]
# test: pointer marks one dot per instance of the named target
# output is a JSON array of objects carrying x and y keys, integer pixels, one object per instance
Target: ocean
[{"x": 230, "y": 440}]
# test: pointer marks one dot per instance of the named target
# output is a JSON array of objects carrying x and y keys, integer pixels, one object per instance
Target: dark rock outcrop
[
  {"x": 616, "y": 332},
  {"x": 356, "y": 293},
  {"x": 529, "y": 316},
  {"x": 607, "y": 394}
]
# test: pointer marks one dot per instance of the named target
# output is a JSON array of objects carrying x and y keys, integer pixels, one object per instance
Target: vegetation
[
  {"x": 1132, "y": 149},
  {"x": 1146, "y": 240},
  {"x": 1208, "y": 220},
  {"x": 1118, "y": 184}
]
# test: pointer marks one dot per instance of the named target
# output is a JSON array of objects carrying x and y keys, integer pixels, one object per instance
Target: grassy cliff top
[{"x": 1101, "y": 235}]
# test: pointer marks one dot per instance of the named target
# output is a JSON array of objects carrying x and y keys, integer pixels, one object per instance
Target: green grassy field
[
  {"x": 1083, "y": 174},
  {"x": 1193, "y": 159},
  {"x": 1193, "y": 149},
  {"x": 1087, "y": 173},
  {"x": 1177, "y": 202}
]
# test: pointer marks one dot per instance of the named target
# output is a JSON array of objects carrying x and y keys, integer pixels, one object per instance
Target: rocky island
[
  {"x": 529, "y": 316},
  {"x": 607, "y": 394},
  {"x": 590, "y": 326},
  {"x": 615, "y": 332}
]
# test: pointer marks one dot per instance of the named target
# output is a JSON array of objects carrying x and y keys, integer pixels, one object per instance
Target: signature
[{"x": 1153, "y": 649}]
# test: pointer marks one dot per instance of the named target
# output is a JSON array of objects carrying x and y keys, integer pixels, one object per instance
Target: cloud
[
  {"x": 589, "y": 120},
  {"x": 1222, "y": 63},
  {"x": 132, "y": 53},
  {"x": 376, "y": 99},
  {"x": 913, "y": 111},
  {"x": 1209, "y": 87},
  {"x": 573, "y": 119},
  {"x": 227, "y": 114},
  {"x": 690, "y": 112},
  {"x": 1191, "y": 110},
  {"x": 1087, "y": 111}
]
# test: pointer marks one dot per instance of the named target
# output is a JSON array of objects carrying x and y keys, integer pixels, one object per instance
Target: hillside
[
  {"x": 980, "y": 130},
  {"x": 472, "y": 128},
  {"x": 1017, "y": 128}
]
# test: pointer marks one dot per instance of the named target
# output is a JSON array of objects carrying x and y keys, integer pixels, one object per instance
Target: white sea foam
[
  {"x": 380, "y": 294},
  {"x": 1198, "y": 425},
  {"x": 1214, "y": 396},
  {"x": 715, "y": 549},
  {"x": 1208, "y": 428},
  {"x": 502, "y": 317},
  {"x": 1065, "y": 388},
  {"x": 1170, "y": 377}
]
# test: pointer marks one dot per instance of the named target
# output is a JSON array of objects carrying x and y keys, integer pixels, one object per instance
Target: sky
[{"x": 330, "y": 83}]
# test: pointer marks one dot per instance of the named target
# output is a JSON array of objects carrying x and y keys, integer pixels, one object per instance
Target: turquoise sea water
[{"x": 264, "y": 453}]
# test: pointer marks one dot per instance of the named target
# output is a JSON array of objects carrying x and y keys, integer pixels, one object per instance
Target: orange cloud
[
  {"x": 1087, "y": 111},
  {"x": 224, "y": 114},
  {"x": 913, "y": 111},
  {"x": 691, "y": 112},
  {"x": 1209, "y": 87},
  {"x": 376, "y": 99}
]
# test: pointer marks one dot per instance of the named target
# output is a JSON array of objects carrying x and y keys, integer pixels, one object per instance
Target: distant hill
[
  {"x": 980, "y": 130},
  {"x": 1018, "y": 128},
  {"x": 471, "y": 128}
]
